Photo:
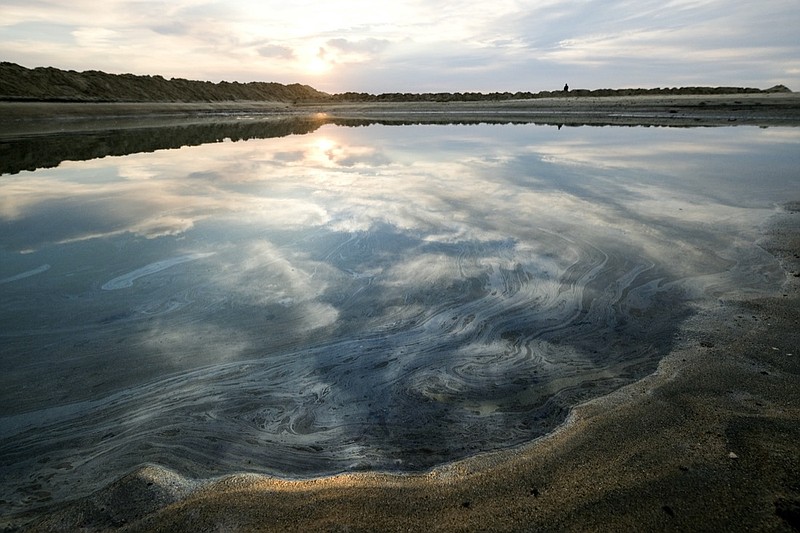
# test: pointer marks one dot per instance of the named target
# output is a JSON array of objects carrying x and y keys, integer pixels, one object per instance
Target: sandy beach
[{"x": 709, "y": 442}]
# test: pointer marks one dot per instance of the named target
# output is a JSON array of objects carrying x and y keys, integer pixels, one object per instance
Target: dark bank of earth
[
  {"x": 52, "y": 84},
  {"x": 18, "y": 83}
]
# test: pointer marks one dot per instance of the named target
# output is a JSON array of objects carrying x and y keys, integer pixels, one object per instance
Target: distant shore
[
  {"x": 761, "y": 109},
  {"x": 659, "y": 110}
]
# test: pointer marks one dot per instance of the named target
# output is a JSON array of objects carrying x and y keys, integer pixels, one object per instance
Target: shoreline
[
  {"x": 711, "y": 440},
  {"x": 766, "y": 109}
]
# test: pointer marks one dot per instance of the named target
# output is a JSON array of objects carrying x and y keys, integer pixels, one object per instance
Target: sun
[
  {"x": 317, "y": 65},
  {"x": 316, "y": 61}
]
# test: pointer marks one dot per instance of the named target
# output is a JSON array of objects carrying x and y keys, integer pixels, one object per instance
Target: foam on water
[
  {"x": 26, "y": 274},
  {"x": 126, "y": 280}
]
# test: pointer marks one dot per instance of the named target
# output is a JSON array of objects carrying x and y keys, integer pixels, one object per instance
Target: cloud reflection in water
[{"x": 381, "y": 297}]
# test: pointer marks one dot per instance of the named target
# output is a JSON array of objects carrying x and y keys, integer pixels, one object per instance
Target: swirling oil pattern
[{"x": 381, "y": 297}]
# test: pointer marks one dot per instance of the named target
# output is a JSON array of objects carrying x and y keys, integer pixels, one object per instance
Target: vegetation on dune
[
  {"x": 476, "y": 97},
  {"x": 52, "y": 84}
]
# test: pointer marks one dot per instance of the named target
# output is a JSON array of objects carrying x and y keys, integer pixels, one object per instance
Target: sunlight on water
[{"x": 357, "y": 298}]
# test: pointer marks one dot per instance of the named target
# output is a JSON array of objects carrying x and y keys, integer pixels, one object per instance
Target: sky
[{"x": 416, "y": 45}]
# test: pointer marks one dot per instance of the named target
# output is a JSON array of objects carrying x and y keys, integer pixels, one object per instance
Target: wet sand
[
  {"x": 677, "y": 111},
  {"x": 765, "y": 109},
  {"x": 711, "y": 441}
]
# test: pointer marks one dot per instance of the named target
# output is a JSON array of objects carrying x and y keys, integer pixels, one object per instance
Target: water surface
[{"x": 346, "y": 298}]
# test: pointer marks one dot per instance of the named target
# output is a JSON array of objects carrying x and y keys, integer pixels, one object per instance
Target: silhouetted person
[{"x": 566, "y": 88}]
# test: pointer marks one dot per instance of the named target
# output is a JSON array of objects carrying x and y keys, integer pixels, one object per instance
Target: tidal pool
[{"x": 346, "y": 298}]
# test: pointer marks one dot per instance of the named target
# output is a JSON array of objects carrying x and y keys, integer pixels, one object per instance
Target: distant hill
[
  {"x": 18, "y": 83},
  {"x": 52, "y": 84}
]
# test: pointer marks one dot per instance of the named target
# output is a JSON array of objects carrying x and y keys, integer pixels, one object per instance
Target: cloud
[
  {"x": 95, "y": 37},
  {"x": 171, "y": 28},
  {"x": 276, "y": 51},
  {"x": 414, "y": 45},
  {"x": 365, "y": 46}
]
